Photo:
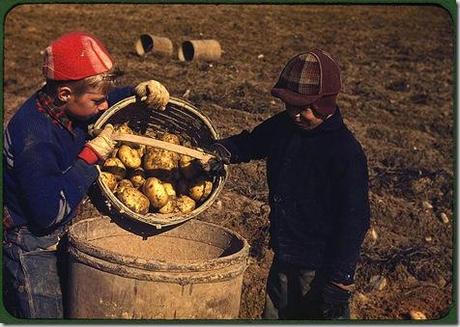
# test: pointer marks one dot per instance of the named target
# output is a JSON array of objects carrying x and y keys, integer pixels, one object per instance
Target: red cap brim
[{"x": 293, "y": 98}]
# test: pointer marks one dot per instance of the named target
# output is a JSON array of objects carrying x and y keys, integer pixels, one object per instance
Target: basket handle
[{"x": 198, "y": 154}]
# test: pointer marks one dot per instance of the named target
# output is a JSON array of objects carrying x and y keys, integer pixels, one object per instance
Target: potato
[
  {"x": 129, "y": 157},
  {"x": 124, "y": 183},
  {"x": 200, "y": 189},
  {"x": 159, "y": 163},
  {"x": 154, "y": 190},
  {"x": 134, "y": 199},
  {"x": 110, "y": 180},
  {"x": 189, "y": 167},
  {"x": 169, "y": 207},
  {"x": 169, "y": 188},
  {"x": 137, "y": 177},
  {"x": 115, "y": 166},
  {"x": 185, "y": 204},
  {"x": 123, "y": 128},
  {"x": 171, "y": 138},
  {"x": 141, "y": 149},
  {"x": 174, "y": 139}
]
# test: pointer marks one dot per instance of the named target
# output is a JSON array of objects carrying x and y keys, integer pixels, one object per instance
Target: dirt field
[{"x": 397, "y": 66}]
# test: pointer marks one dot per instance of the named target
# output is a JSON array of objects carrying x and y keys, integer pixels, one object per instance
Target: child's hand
[
  {"x": 103, "y": 144},
  {"x": 157, "y": 96}
]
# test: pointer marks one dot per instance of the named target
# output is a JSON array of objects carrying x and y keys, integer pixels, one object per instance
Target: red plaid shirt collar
[{"x": 57, "y": 114}]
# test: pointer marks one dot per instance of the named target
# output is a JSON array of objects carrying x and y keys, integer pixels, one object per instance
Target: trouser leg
[
  {"x": 286, "y": 286},
  {"x": 276, "y": 293},
  {"x": 335, "y": 302},
  {"x": 32, "y": 283},
  {"x": 301, "y": 294},
  {"x": 13, "y": 284}
]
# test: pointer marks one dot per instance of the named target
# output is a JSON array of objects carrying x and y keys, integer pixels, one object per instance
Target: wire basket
[{"x": 180, "y": 118}]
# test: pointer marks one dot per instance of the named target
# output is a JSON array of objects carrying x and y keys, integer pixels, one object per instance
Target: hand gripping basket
[{"x": 181, "y": 118}]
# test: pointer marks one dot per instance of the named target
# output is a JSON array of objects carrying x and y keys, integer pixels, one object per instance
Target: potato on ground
[
  {"x": 185, "y": 204},
  {"x": 200, "y": 189},
  {"x": 137, "y": 177},
  {"x": 110, "y": 180},
  {"x": 115, "y": 166},
  {"x": 134, "y": 199},
  {"x": 155, "y": 191},
  {"x": 129, "y": 157}
]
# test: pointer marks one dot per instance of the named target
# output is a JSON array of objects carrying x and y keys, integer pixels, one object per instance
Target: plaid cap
[
  {"x": 307, "y": 78},
  {"x": 75, "y": 56}
]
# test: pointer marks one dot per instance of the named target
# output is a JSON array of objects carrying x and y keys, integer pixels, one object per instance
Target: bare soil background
[{"x": 397, "y": 67}]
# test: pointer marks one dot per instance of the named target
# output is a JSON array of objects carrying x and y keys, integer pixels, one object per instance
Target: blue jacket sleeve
[
  {"x": 50, "y": 195},
  {"x": 118, "y": 94}
]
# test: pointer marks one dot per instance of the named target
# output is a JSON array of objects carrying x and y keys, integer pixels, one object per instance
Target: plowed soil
[{"x": 397, "y": 66}]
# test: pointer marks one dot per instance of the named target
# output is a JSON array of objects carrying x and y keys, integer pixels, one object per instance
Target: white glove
[
  {"x": 156, "y": 93},
  {"x": 103, "y": 144}
]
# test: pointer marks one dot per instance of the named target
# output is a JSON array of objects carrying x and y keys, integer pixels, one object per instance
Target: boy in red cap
[
  {"x": 49, "y": 164},
  {"x": 318, "y": 192}
]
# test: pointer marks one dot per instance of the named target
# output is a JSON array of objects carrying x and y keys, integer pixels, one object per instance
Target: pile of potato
[{"x": 148, "y": 179}]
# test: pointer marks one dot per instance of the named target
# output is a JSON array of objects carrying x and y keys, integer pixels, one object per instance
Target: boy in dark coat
[
  {"x": 49, "y": 163},
  {"x": 318, "y": 192}
]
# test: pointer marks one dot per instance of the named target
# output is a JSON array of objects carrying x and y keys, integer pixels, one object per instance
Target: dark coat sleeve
[
  {"x": 353, "y": 214},
  {"x": 255, "y": 144}
]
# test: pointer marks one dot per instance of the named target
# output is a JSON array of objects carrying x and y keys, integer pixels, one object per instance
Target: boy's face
[
  {"x": 87, "y": 105},
  {"x": 303, "y": 117}
]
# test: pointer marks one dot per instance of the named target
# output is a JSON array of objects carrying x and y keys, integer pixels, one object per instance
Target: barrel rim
[{"x": 147, "y": 264}]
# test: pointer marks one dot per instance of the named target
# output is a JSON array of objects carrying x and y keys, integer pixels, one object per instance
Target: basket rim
[
  {"x": 158, "y": 220},
  {"x": 133, "y": 99}
]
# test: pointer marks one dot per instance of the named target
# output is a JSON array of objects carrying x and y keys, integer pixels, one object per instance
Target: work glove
[
  {"x": 221, "y": 153},
  {"x": 103, "y": 144},
  {"x": 156, "y": 93},
  {"x": 335, "y": 302},
  {"x": 216, "y": 166}
]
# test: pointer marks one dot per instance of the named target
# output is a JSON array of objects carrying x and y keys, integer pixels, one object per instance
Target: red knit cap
[{"x": 75, "y": 56}]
